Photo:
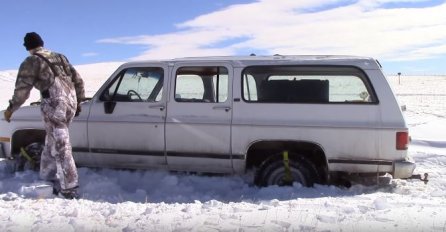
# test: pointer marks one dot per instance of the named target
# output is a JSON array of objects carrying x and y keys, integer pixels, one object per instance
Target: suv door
[
  {"x": 198, "y": 123},
  {"x": 126, "y": 122}
]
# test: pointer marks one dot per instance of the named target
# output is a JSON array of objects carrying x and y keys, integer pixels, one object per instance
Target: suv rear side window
[
  {"x": 297, "y": 84},
  {"x": 201, "y": 84}
]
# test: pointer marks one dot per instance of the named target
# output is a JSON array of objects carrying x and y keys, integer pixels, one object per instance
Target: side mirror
[{"x": 109, "y": 107}]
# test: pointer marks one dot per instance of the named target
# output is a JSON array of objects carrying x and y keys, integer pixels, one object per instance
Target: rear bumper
[{"x": 403, "y": 169}]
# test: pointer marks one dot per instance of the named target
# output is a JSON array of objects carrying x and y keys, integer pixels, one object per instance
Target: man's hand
[
  {"x": 78, "y": 110},
  {"x": 8, "y": 115}
]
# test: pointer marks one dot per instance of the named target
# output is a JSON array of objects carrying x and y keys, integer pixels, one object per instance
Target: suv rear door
[{"x": 198, "y": 123}]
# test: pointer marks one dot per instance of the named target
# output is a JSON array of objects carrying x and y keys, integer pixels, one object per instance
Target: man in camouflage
[{"x": 62, "y": 90}]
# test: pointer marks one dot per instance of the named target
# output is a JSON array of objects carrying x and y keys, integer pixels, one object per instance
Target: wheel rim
[{"x": 278, "y": 177}]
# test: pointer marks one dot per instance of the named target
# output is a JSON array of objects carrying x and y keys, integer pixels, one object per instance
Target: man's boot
[{"x": 70, "y": 193}]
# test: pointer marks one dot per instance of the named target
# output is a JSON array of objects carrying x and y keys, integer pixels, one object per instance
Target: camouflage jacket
[{"x": 36, "y": 72}]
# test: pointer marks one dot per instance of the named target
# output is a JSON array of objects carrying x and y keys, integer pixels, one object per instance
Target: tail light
[{"x": 402, "y": 140}]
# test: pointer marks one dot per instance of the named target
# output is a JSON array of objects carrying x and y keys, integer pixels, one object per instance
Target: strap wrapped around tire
[{"x": 29, "y": 157}]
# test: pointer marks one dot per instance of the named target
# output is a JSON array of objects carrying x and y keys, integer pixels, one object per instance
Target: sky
[{"x": 407, "y": 36}]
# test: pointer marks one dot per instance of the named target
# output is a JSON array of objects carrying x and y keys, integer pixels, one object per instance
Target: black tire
[
  {"x": 272, "y": 171},
  {"x": 32, "y": 159}
]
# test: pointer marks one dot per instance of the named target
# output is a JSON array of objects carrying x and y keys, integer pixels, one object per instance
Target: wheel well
[
  {"x": 22, "y": 138},
  {"x": 260, "y": 151}
]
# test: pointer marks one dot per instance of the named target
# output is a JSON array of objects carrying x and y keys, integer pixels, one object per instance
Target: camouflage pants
[{"x": 57, "y": 163}]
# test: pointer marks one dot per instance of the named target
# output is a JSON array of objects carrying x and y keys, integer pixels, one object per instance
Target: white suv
[{"x": 291, "y": 118}]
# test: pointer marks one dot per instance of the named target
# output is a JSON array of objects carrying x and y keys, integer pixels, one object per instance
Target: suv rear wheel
[{"x": 273, "y": 171}]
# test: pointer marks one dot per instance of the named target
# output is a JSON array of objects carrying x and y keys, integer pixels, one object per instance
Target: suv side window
[
  {"x": 201, "y": 84},
  {"x": 293, "y": 84},
  {"x": 136, "y": 85}
]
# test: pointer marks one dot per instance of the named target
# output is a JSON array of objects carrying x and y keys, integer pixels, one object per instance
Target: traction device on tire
[
  {"x": 29, "y": 157},
  {"x": 26, "y": 156},
  {"x": 288, "y": 178}
]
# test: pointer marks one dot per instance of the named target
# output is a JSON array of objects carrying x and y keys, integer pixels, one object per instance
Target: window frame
[
  {"x": 120, "y": 76},
  {"x": 211, "y": 81}
]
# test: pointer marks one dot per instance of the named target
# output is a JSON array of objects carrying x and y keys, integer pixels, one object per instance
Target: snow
[{"x": 117, "y": 200}]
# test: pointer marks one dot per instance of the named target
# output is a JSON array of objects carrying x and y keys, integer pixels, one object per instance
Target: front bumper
[
  {"x": 2, "y": 151},
  {"x": 403, "y": 169}
]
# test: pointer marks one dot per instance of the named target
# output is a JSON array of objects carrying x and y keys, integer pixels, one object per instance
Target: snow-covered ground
[{"x": 116, "y": 200}]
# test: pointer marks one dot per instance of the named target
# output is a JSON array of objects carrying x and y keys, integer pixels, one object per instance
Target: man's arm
[
  {"x": 78, "y": 84},
  {"x": 77, "y": 80},
  {"x": 24, "y": 83}
]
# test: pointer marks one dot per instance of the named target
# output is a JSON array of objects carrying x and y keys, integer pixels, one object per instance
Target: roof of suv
[{"x": 362, "y": 62}]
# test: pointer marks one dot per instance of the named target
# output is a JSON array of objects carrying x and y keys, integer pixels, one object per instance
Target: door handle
[
  {"x": 159, "y": 106},
  {"x": 225, "y": 108}
]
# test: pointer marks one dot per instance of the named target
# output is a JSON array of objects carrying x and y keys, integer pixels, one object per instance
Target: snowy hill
[{"x": 116, "y": 200}]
